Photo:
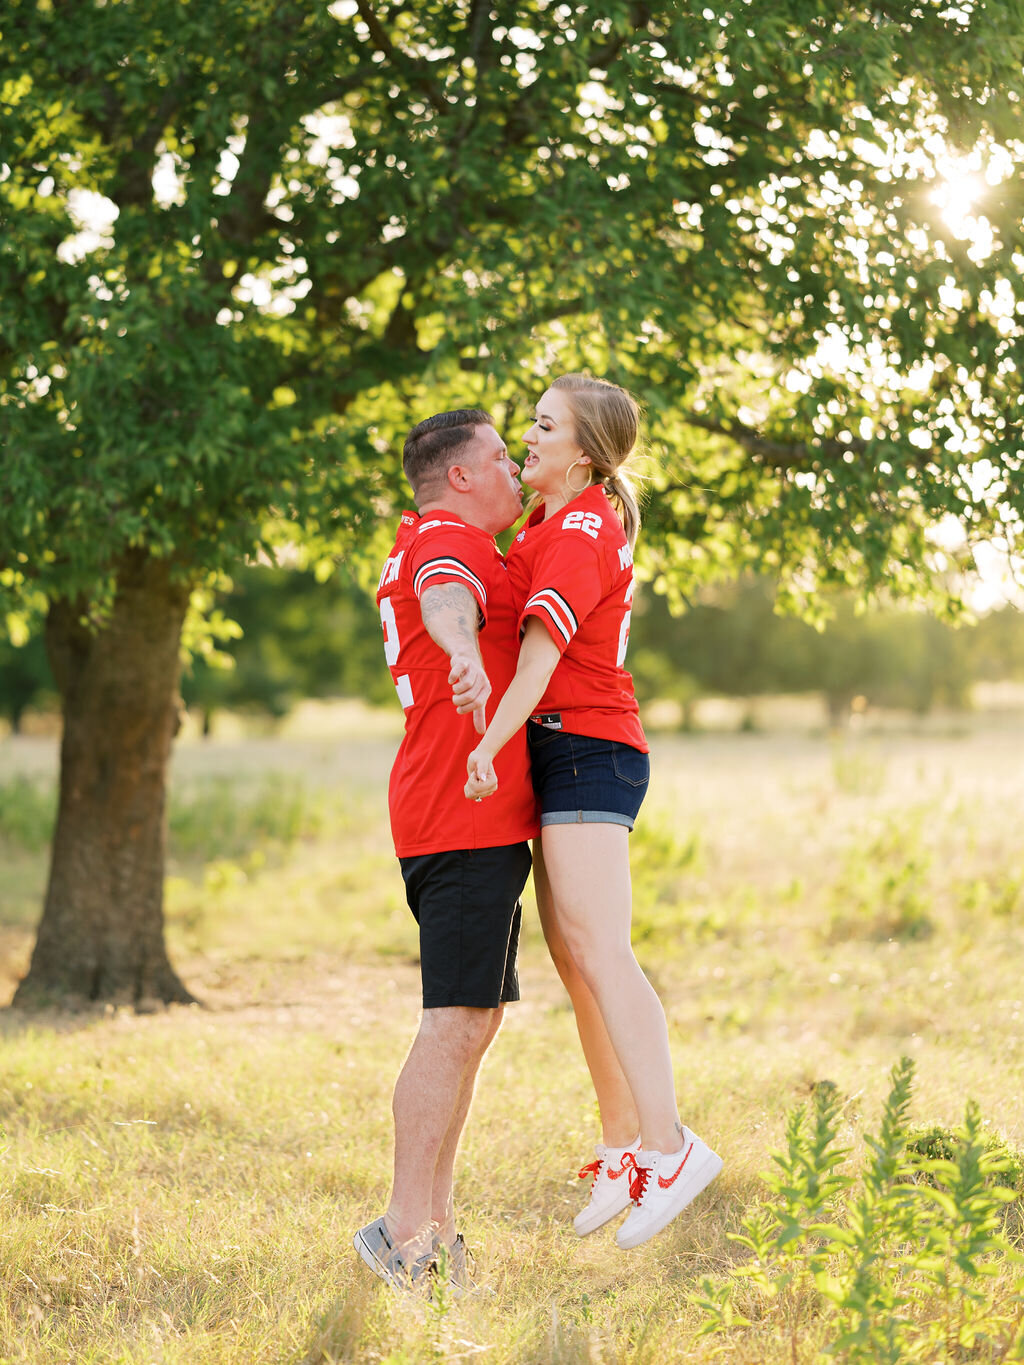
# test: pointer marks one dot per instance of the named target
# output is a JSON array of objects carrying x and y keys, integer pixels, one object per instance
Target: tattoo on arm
[{"x": 452, "y": 607}]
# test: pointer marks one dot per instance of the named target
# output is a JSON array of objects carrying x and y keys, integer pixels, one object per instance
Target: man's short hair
[{"x": 436, "y": 443}]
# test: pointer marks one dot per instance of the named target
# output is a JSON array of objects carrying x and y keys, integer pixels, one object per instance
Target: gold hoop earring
[{"x": 574, "y": 489}]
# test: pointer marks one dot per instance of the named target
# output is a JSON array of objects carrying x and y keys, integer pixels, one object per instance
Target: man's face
[{"x": 496, "y": 494}]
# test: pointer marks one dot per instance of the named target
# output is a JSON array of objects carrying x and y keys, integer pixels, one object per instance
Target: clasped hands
[{"x": 470, "y": 690}]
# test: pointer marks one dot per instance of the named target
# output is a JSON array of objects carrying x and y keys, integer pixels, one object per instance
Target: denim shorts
[{"x": 580, "y": 780}]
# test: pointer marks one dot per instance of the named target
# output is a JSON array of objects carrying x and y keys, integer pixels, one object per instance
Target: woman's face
[{"x": 551, "y": 449}]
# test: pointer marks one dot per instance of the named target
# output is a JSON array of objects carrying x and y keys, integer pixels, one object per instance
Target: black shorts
[{"x": 467, "y": 906}]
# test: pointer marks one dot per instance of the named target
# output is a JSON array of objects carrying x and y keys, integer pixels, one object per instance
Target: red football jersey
[
  {"x": 429, "y": 813},
  {"x": 574, "y": 570}
]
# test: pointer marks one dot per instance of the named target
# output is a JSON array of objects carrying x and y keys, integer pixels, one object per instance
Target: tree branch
[
  {"x": 602, "y": 58},
  {"x": 412, "y": 70},
  {"x": 245, "y": 215},
  {"x": 133, "y": 176},
  {"x": 780, "y": 455}
]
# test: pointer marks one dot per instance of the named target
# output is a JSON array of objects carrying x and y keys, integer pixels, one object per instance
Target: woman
[{"x": 571, "y": 573}]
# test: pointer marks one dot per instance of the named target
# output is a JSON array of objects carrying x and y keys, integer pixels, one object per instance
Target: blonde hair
[{"x": 607, "y": 429}]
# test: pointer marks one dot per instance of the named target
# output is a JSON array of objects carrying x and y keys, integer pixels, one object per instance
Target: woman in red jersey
[{"x": 571, "y": 572}]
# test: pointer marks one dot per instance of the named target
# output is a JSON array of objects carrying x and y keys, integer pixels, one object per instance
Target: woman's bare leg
[
  {"x": 619, "y": 1120},
  {"x": 589, "y": 898}
]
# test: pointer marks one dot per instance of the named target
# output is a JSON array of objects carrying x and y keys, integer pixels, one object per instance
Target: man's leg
[
  {"x": 434, "y": 1085},
  {"x": 442, "y": 1199}
]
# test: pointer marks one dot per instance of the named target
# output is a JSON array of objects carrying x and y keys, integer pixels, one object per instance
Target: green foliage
[
  {"x": 664, "y": 864},
  {"x": 25, "y": 678},
  {"x": 904, "y": 1260},
  {"x": 218, "y": 821},
  {"x": 934, "y": 1142},
  {"x": 732, "y": 641},
  {"x": 998, "y": 645},
  {"x": 884, "y": 889},
  {"x": 26, "y": 813},
  {"x": 245, "y": 245},
  {"x": 295, "y": 637},
  {"x": 857, "y": 773},
  {"x": 999, "y": 892}
]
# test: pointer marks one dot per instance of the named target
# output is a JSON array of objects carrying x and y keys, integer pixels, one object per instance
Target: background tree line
[{"x": 292, "y": 636}]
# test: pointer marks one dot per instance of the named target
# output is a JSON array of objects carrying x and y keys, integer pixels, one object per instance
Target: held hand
[
  {"x": 470, "y": 687},
  {"x": 483, "y": 781}
]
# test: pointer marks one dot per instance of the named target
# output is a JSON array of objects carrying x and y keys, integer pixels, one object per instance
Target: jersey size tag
[{"x": 551, "y": 720}]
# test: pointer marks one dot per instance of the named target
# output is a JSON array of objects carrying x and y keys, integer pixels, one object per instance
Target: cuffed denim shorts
[{"x": 580, "y": 780}]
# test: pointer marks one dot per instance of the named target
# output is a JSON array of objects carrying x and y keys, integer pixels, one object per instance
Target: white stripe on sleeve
[
  {"x": 557, "y": 609},
  {"x": 447, "y": 568}
]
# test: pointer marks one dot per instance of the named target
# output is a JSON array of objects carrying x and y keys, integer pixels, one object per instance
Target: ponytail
[{"x": 620, "y": 490}]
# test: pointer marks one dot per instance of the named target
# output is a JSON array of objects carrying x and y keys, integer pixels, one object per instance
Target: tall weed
[{"x": 905, "y": 1261}]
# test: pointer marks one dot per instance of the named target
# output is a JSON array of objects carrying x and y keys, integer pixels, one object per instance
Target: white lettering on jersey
[
  {"x": 392, "y": 649},
  {"x": 625, "y": 556},
  {"x": 391, "y": 570},
  {"x": 392, "y": 644},
  {"x": 429, "y": 525},
  {"x": 624, "y": 628},
  {"x": 587, "y": 522}
]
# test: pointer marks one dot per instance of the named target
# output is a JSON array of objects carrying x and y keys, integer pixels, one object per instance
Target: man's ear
[{"x": 457, "y": 478}]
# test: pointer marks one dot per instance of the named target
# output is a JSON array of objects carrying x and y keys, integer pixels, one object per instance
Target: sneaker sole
[
  {"x": 699, "y": 1180},
  {"x": 589, "y": 1220},
  {"x": 379, "y": 1269},
  {"x": 367, "y": 1255}
]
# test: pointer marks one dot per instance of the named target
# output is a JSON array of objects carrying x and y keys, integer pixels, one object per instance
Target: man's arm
[
  {"x": 538, "y": 656},
  {"x": 451, "y": 619}
]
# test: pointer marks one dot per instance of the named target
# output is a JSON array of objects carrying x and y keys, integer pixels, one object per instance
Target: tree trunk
[{"x": 102, "y": 932}]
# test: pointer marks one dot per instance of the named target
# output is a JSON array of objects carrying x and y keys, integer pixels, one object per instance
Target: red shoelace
[
  {"x": 638, "y": 1177},
  {"x": 593, "y": 1169}
]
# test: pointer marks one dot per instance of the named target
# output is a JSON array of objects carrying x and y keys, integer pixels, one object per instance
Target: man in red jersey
[{"x": 450, "y": 631}]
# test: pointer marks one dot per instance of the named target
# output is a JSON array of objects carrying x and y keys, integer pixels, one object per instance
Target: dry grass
[{"x": 183, "y": 1187}]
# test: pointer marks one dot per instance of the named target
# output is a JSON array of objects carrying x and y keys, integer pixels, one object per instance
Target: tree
[
  {"x": 246, "y": 244},
  {"x": 732, "y": 642}
]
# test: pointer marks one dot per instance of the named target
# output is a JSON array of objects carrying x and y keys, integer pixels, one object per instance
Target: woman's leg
[
  {"x": 589, "y": 900},
  {"x": 619, "y": 1119}
]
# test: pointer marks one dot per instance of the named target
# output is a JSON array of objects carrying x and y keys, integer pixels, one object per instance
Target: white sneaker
[
  {"x": 662, "y": 1184},
  {"x": 609, "y": 1190}
]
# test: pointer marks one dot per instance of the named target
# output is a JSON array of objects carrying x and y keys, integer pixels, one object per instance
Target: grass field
[{"x": 183, "y": 1187}]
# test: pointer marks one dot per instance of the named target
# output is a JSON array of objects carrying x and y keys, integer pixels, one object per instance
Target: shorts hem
[
  {"x": 468, "y": 1004},
  {"x": 586, "y": 817}
]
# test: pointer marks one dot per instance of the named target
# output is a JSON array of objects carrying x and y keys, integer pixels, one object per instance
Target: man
[{"x": 450, "y": 634}]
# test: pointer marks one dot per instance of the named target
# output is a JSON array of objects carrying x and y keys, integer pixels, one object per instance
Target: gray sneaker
[
  {"x": 455, "y": 1261},
  {"x": 375, "y": 1246}
]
